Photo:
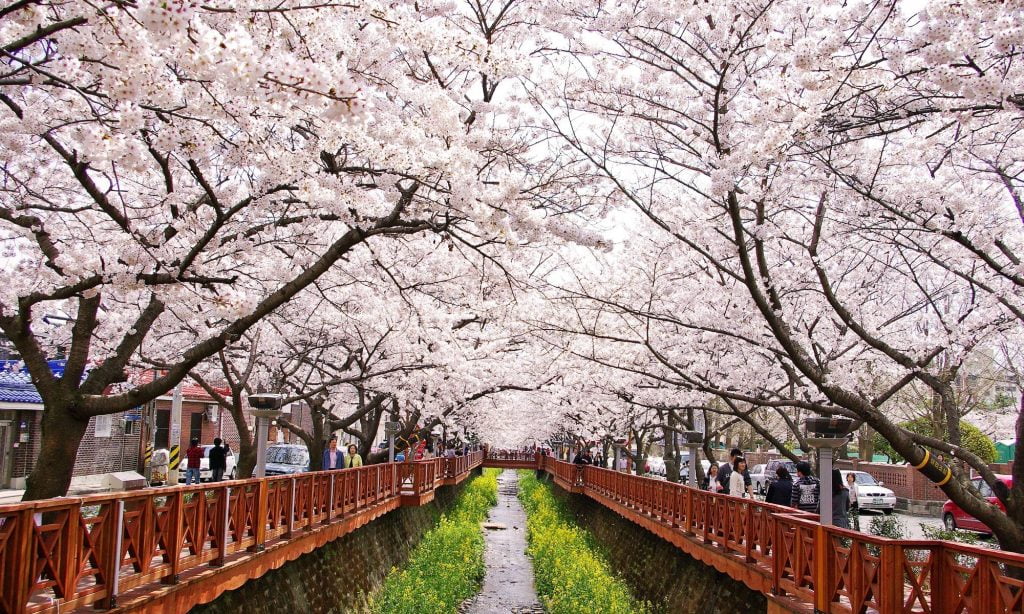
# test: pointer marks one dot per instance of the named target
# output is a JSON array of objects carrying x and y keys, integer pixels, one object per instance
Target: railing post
[
  {"x": 262, "y": 509},
  {"x": 778, "y": 556},
  {"x": 223, "y": 527},
  {"x": 112, "y": 565},
  {"x": 173, "y": 541},
  {"x": 311, "y": 501},
  {"x": 688, "y": 511},
  {"x": 941, "y": 581},
  {"x": 748, "y": 531},
  {"x": 330, "y": 498},
  {"x": 291, "y": 507},
  {"x": 820, "y": 569},
  {"x": 890, "y": 578},
  {"x": 359, "y": 473}
]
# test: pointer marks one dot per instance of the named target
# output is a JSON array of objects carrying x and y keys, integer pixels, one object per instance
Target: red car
[{"x": 955, "y": 518}]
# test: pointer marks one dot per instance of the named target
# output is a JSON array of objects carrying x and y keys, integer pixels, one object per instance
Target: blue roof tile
[{"x": 16, "y": 387}]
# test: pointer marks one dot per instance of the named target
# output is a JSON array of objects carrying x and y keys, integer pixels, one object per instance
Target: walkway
[{"x": 508, "y": 585}]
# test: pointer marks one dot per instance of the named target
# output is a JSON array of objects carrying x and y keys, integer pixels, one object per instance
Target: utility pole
[{"x": 174, "y": 441}]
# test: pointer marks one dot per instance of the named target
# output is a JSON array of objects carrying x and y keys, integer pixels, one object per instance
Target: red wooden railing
[
  {"x": 788, "y": 555},
  {"x": 72, "y": 552}
]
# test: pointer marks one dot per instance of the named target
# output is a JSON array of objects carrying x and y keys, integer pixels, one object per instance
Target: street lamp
[
  {"x": 266, "y": 407},
  {"x": 826, "y": 433},
  {"x": 693, "y": 441}
]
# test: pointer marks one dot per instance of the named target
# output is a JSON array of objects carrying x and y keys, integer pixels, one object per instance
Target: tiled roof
[
  {"x": 190, "y": 391},
  {"x": 16, "y": 387}
]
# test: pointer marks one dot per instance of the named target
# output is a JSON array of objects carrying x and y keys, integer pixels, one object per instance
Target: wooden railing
[
  {"x": 67, "y": 553},
  {"x": 788, "y": 555}
]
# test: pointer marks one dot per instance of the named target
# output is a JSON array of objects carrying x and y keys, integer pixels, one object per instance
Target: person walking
[
  {"x": 840, "y": 501},
  {"x": 725, "y": 470},
  {"x": 194, "y": 460},
  {"x": 333, "y": 457},
  {"x": 354, "y": 459},
  {"x": 806, "y": 495},
  {"x": 737, "y": 485},
  {"x": 218, "y": 456},
  {"x": 711, "y": 482},
  {"x": 851, "y": 485},
  {"x": 780, "y": 491}
]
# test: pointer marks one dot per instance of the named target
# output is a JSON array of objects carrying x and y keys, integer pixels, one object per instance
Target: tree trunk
[
  {"x": 246, "y": 461},
  {"x": 62, "y": 434}
]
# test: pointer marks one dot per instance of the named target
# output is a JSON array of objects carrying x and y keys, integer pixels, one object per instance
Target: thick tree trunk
[
  {"x": 246, "y": 461},
  {"x": 62, "y": 434}
]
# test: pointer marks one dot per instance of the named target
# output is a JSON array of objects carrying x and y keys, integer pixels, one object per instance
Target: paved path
[{"x": 508, "y": 585}]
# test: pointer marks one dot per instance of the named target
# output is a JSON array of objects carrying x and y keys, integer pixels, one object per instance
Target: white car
[
  {"x": 759, "y": 479},
  {"x": 870, "y": 493},
  {"x": 204, "y": 466}
]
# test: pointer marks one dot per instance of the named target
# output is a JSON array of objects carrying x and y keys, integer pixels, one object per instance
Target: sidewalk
[{"x": 80, "y": 486}]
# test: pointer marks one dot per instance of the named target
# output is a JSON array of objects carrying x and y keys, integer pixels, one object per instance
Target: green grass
[
  {"x": 570, "y": 574},
  {"x": 447, "y": 567}
]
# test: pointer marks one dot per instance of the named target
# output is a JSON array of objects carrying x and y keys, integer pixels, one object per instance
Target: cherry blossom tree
[{"x": 836, "y": 198}]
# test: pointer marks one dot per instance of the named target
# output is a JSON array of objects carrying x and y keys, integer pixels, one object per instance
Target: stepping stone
[{"x": 493, "y": 526}]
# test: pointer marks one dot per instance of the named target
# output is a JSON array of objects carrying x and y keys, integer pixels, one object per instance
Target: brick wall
[
  {"x": 905, "y": 481},
  {"x": 118, "y": 452},
  {"x": 342, "y": 575},
  {"x": 659, "y": 572}
]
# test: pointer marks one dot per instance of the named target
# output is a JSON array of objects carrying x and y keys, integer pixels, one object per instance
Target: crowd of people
[{"x": 803, "y": 493}]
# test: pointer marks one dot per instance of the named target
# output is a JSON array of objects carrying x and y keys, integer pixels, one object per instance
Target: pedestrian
[
  {"x": 737, "y": 486},
  {"x": 218, "y": 456},
  {"x": 806, "y": 494},
  {"x": 851, "y": 484},
  {"x": 780, "y": 491},
  {"x": 725, "y": 469},
  {"x": 194, "y": 461},
  {"x": 711, "y": 482},
  {"x": 587, "y": 458},
  {"x": 840, "y": 501},
  {"x": 354, "y": 459},
  {"x": 623, "y": 463},
  {"x": 333, "y": 457},
  {"x": 578, "y": 459}
]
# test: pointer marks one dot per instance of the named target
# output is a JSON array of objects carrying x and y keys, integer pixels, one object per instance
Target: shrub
[
  {"x": 447, "y": 566},
  {"x": 570, "y": 575}
]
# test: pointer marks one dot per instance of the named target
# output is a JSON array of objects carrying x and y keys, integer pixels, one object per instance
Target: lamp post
[
  {"x": 266, "y": 407},
  {"x": 826, "y": 433},
  {"x": 435, "y": 434},
  {"x": 693, "y": 441}
]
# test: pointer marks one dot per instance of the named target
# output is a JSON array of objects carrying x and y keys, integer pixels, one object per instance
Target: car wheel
[
  {"x": 232, "y": 476},
  {"x": 888, "y": 510},
  {"x": 949, "y": 522}
]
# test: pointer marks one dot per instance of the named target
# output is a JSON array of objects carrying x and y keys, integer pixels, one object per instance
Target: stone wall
[
  {"x": 657, "y": 571},
  {"x": 340, "y": 576}
]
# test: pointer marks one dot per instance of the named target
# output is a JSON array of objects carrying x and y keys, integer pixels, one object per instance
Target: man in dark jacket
[
  {"x": 780, "y": 491},
  {"x": 806, "y": 494},
  {"x": 218, "y": 455}
]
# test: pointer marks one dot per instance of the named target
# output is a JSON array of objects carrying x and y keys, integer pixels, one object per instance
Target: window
[
  {"x": 103, "y": 426},
  {"x": 131, "y": 427},
  {"x": 163, "y": 428},
  {"x": 195, "y": 427}
]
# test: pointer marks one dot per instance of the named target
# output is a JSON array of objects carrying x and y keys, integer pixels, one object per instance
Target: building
[
  {"x": 201, "y": 417},
  {"x": 110, "y": 443}
]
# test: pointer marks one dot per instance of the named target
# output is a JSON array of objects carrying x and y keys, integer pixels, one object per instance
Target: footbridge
[
  {"x": 799, "y": 564},
  {"x": 169, "y": 549}
]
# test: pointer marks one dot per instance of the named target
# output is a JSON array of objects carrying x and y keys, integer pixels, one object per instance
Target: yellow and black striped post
[{"x": 172, "y": 466}]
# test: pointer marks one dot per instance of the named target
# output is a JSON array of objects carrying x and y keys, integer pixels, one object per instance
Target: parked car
[
  {"x": 955, "y": 518},
  {"x": 657, "y": 465},
  {"x": 205, "y": 473},
  {"x": 759, "y": 479},
  {"x": 684, "y": 471},
  {"x": 870, "y": 493},
  {"x": 771, "y": 467},
  {"x": 285, "y": 458}
]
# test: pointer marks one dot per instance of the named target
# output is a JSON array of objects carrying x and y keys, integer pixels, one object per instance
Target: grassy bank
[
  {"x": 570, "y": 574},
  {"x": 447, "y": 566}
]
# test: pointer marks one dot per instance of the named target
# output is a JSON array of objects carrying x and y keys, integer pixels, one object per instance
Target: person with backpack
[{"x": 806, "y": 494}]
